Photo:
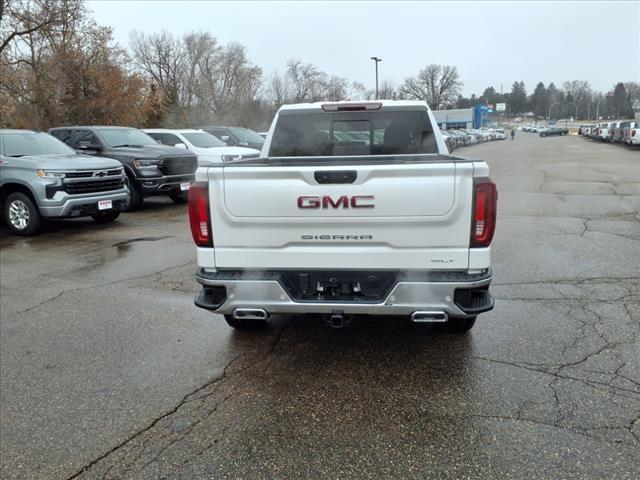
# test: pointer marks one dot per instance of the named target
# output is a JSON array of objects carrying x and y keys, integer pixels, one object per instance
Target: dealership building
[{"x": 479, "y": 116}]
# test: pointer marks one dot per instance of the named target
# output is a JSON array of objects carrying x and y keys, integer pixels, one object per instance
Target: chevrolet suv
[{"x": 41, "y": 178}]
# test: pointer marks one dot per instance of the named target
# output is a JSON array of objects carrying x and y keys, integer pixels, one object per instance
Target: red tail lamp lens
[
  {"x": 199, "y": 214},
  {"x": 483, "y": 224}
]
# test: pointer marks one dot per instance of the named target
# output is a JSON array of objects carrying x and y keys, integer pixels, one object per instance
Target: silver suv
[{"x": 41, "y": 177}]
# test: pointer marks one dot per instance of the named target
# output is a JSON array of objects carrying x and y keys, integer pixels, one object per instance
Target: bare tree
[
  {"x": 304, "y": 82},
  {"x": 438, "y": 85},
  {"x": 19, "y": 18},
  {"x": 201, "y": 80},
  {"x": 334, "y": 89},
  {"x": 198, "y": 49},
  {"x": 162, "y": 58},
  {"x": 278, "y": 90},
  {"x": 387, "y": 90},
  {"x": 580, "y": 92},
  {"x": 67, "y": 70}
]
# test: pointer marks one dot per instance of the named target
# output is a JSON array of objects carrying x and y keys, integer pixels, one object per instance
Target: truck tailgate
[{"x": 390, "y": 216}]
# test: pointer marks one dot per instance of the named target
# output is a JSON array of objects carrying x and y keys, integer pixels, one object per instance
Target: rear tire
[
  {"x": 459, "y": 326},
  {"x": 105, "y": 217},
  {"x": 244, "y": 324},
  {"x": 182, "y": 197},
  {"x": 22, "y": 215}
]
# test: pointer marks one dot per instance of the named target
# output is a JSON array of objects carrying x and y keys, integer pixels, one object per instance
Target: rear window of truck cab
[{"x": 320, "y": 134}]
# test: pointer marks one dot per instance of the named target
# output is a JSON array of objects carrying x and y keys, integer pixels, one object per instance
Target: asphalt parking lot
[{"x": 107, "y": 370}]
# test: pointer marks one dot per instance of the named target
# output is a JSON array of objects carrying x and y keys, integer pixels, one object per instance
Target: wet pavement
[{"x": 107, "y": 370}]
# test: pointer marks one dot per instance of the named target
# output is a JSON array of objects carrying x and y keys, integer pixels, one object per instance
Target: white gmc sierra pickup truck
[{"x": 352, "y": 208}]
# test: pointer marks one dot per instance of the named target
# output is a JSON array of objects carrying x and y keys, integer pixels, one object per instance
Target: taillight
[
  {"x": 199, "y": 214},
  {"x": 483, "y": 223}
]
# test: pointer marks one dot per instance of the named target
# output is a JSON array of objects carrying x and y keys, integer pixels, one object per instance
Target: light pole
[
  {"x": 376, "y": 59},
  {"x": 575, "y": 118},
  {"x": 550, "y": 107}
]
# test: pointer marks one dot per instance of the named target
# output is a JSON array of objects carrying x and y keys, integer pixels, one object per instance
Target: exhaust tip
[
  {"x": 250, "y": 314},
  {"x": 429, "y": 317}
]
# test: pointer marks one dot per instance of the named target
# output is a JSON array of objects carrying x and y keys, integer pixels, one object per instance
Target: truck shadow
[
  {"x": 380, "y": 383},
  {"x": 381, "y": 352}
]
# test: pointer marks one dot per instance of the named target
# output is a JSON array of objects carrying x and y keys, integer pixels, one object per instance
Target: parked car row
[
  {"x": 545, "y": 130},
  {"x": 206, "y": 146},
  {"x": 100, "y": 171},
  {"x": 627, "y": 132},
  {"x": 455, "y": 138},
  {"x": 532, "y": 128}
]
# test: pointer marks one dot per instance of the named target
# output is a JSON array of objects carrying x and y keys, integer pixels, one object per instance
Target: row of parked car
[
  {"x": 545, "y": 131},
  {"x": 615, "y": 132},
  {"x": 100, "y": 171},
  {"x": 455, "y": 138}
]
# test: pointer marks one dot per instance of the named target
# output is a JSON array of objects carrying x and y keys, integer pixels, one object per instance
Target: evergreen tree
[
  {"x": 518, "y": 98},
  {"x": 539, "y": 101},
  {"x": 620, "y": 104}
]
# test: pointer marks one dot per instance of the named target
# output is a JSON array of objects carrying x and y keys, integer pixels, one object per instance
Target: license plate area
[
  {"x": 105, "y": 204},
  {"x": 184, "y": 186},
  {"x": 338, "y": 286}
]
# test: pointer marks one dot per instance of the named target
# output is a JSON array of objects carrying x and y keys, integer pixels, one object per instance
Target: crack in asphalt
[
  {"x": 558, "y": 370},
  {"x": 155, "y": 421},
  {"x": 100, "y": 285},
  {"x": 545, "y": 369},
  {"x": 273, "y": 347},
  {"x": 214, "y": 382},
  {"x": 570, "y": 281},
  {"x": 51, "y": 299},
  {"x": 572, "y": 428},
  {"x": 586, "y": 228}
]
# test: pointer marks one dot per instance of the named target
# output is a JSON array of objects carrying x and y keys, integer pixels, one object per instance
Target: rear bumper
[{"x": 456, "y": 293}]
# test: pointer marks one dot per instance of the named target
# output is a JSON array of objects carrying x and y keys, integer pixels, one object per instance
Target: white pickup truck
[{"x": 352, "y": 208}]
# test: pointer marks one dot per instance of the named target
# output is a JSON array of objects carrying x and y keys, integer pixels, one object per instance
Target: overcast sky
[{"x": 490, "y": 42}]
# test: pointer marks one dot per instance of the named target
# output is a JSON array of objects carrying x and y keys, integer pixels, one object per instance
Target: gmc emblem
[{"x": 344, "y": 201}]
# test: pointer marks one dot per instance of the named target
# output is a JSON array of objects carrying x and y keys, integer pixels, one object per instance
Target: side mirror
[
  {"x": 180, "y": 145},
  {"x": 86, "y": 145}
]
